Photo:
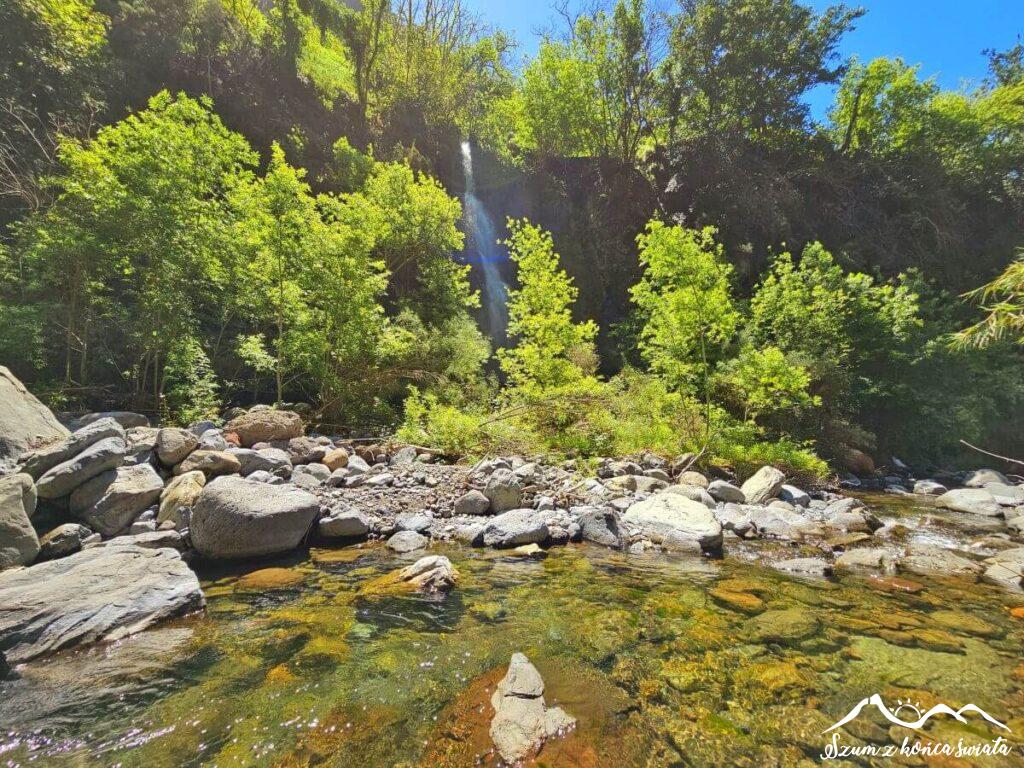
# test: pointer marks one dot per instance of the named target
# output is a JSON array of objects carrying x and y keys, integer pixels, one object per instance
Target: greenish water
[{"x": 663, "y": 661}]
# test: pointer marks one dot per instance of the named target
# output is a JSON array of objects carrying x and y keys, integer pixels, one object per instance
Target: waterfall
[{"x": 483, "y": 248}]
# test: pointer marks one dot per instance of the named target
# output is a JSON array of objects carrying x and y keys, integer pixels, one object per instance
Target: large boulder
[
  {"x": 94, "y": 595},
  {"x": 472, "y": 503},
  {"x": 210, "y": 463},
  {"x": 601, "y": 526},
  {"x": 763, "y": 485},
  {"x": 264, "y": 426},
  {"x": 99, "y": 457},
  {"x": 173, "y": 445},
  {"x": 126, "y": 419},
  {"x": 344, "y": 524},
  {"x": 62, "y": 541},
  {"x": 110, "y": 502},
  {"x": 515, "y": 527},
  {"x": 25, "y": 423},
  {"x": 19, "y": 544},
  {"x": 720, "y": 490},
  {"x": 522, "y": 720},
  {"x": 675, "y": 520},
  {"x": 504, "y": 490},
  {"x": 973, "y": 501},
  {"x": 979, "y": 478},
  {"x": 858, "y": 462},
  {"x": 47, "y": 458},
  {"x": 235, "y": 518},
  {"x": 272, "y": 460}
]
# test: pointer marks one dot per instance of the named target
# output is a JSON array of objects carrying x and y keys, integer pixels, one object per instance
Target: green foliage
[
  {"x": 1003, "y": 300},
  {"x": 551, "y": 351},
  {"x": 765, "y": 382},
  {"x": 191, "y": 385},
  {"x": 686, "y": 301}
]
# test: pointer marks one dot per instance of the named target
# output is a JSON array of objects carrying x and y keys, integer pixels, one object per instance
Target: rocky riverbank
[{"x": 115, "y": 510}]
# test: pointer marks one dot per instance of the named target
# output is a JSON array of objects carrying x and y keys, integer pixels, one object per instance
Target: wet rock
[
  {"x": 210, "y": 463},
  {"x": 173, "y": 445},
  {"x": 974, "y": 501},
  {"x": 91, "y": 596},
  {"x": 43, "y": 460},
  {"x": 25, "y": 423},
  {"x": 62, "y": 541},
  {"x": 763, "y": 485},
  {"x": 515, "y": 527},
  {"x": 601, "y": 526},
  {"x": 19, "y": 544},
  {"x": 344, "y": 525},
  {"x": 793, "y": 495},
  {"x": 234, "y": 517},
  {"x": 259, "y": 426},
  {"x": 99, "y": 457},
  {"x": 935, "y": 561},
  {"x": 110, "y": 502},
  {"x": 434, "y": 573},
  {"x": 867, "y": 558},
  {"x": 813, "y": 566},
  {"x": 472, "y": 503},
  {"x": 181, "y": 492},
  {"x": 671, "y": 516},
  {"x": 1006, "y": 568},
  {"x": 929, "y": 488},
  {"x": 407, "y": 541},
  {"x": 980, "y": 477},
  {"x": 522, "y": 720},
  {"x": 504, "y": 490}
]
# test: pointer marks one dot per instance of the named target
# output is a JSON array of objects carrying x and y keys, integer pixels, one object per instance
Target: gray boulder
[
  {"x": 522, "y": 720},
  {"x": 979, "y": 478},
  {"x": 98, "y": 458},
  {"x": 235, "y": 518},
  {"x": 173, "y": 445},
  {"x": 126, "y": 419},
  {"x": 19, "y": 544},
  {"x": 515, "y": 527},
  {"x": 25, "y": 423},
  {"x": 866, "y": 558},
  {"x": 210, "y": 463},
  {"x": 403, "y": 457},
  {"x": 504, "y": 490},
  {"x": 46, "y": 459},
  {"x": 601, "y": 526},
  {"x": 763, "y": 485},
  {"x": 1006, "y": 495},
  {"x": 141, "y": 444},
  {"x": 1006, "y": 568},
  {"x": 407, "y": 541},
  {"x": 310, "y": 475},
  {"x": 111, "y": 501},
  {"x": 472, "y": 503},
  {"x": 344, "y": 525},
  {"x": 213, "y": 440},
  {"x": 793, "y": 495},
  {"x": 264, "y": 426},
  {"x": 720, "y": 490},
  {"x": 973, "y": 501},
  {"x": 779, "y": 523},
  {"x": 95, "y": 595},
  {"x": 676, "y": 519},
  {"x": 694, "y": 493},
  {"x": 272, "y": 460}
]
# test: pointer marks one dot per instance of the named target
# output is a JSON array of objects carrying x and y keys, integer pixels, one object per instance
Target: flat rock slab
[
  {"x": 105, "y": 454},
  {"x": 91, "y": 596}
]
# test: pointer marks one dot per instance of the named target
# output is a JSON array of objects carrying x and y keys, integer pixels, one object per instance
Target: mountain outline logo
[{"x": 917, "y": 724}]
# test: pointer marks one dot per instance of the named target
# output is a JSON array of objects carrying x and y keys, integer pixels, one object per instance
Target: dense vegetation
[{"x": 206, "y": 202}]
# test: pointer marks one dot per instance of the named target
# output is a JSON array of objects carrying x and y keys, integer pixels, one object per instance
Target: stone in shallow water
[
  {"x": 515, "y": 527},
  {"x": 671, "y": 516},
  {"x": 936, "y": 561},
  {"x": 813, "y": 566},
  {"x": 94, "y": 595},
  {"x": 522, "y": 721},
  {"x": 407, "y": 541},
  {"x": 269, "y": 578},
  {"x": 973, "y": 501},
  {"x": 781, "y": 626}
]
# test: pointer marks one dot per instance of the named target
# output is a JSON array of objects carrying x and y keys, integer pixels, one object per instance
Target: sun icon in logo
[{"x": 909, "y": 705}]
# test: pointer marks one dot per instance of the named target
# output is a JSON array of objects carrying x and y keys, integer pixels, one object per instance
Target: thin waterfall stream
[{"x": 482, "y": 247}]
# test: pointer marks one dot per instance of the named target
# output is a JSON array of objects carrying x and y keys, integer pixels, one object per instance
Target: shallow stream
[{"x": 664, "y": 661}]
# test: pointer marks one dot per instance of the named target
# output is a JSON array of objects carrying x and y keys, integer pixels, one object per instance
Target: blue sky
[{"x": 945, "y": 37}]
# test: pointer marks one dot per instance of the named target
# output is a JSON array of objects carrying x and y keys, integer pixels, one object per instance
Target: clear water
[
  {"x": 484, "y": 249},
  {"x": 664, "y": 661}
]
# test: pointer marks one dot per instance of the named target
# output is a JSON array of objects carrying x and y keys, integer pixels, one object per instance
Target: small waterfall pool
[{"x": 484, "y": 251}]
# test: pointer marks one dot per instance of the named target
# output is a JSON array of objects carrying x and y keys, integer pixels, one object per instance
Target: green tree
[
  {"x": 765, "y": 382},
  {"x": 685, "y": 300},
  {"x": 1003, "y": 300},
  {"x": 551, "y": 351}
]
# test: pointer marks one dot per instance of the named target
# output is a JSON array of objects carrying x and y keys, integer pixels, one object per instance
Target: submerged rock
[
  {"x": 430, "y": 574},
  {"x": 94, "y": 595},
  {"x": 522, "y": 720}
]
